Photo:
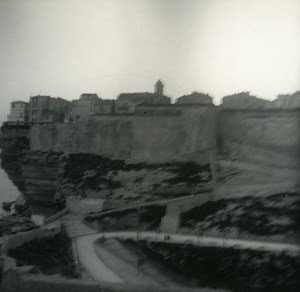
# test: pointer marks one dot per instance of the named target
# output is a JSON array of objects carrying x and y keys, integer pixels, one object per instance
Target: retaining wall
[{"x": 15, "y": 240}]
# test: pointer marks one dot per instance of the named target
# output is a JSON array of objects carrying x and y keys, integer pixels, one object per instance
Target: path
[
  {"x": 158, "y": 202},
  {"x": 124, "y": 270},
  {"x": 89, "y": 259},
  {"x": 75, "y": 227},
  {"x": 149, "y": 272},
  {"x": 171, "y": 220}
]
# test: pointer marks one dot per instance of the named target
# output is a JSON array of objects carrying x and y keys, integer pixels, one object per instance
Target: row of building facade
[{"x": 46, "y": 109}]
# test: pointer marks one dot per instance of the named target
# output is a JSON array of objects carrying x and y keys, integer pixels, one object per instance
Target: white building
[{"x": 18, "y": 111}]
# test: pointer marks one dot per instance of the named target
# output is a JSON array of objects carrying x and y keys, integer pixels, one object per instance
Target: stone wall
[
  {"x": 151, "y": 139},
  {"x": 270, "y": 136}
]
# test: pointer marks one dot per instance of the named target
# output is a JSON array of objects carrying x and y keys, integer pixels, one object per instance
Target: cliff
[
  {"x": 46, "y": 178},
  {"x": 124, "y": 159},
  {"x": 259, "y": 152}
]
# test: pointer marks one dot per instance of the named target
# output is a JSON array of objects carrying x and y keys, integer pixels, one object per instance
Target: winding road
[{"x": 91, "y": 262}]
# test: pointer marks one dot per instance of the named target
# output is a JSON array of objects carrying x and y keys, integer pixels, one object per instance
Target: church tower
[{"x": 159, "y": 88}]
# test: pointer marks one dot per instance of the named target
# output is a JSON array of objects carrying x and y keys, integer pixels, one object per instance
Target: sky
[{"x": 220, "y": 47}]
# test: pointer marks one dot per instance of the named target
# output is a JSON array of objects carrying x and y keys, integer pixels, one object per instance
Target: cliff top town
[
  {"x": 47, "y": 109},
  {"x": 141, "y": 194}
]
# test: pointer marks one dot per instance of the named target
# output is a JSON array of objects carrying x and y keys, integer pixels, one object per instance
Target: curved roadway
[{"x": 89, "y": 259}]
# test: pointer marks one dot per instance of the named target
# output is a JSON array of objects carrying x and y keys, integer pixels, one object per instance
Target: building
[
  {"x": 88, "y": 104},
  {"x": 18, "y": 111},
  {"x": 126, "y": 103},
  {"x": 46, "y": 109},
  {"x": 244, "y": 100},
  {"x": 106, "y": 106},
  {"x": 159, "y": 88},
  {"x": 195, "y": 98},
  {"x": 287, "y": 101}
]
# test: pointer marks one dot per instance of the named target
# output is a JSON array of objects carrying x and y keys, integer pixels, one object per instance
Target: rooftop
[{"x": 19, "y": 101}]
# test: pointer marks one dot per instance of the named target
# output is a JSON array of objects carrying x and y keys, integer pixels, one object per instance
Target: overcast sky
[{"x": 67, "y": 47}]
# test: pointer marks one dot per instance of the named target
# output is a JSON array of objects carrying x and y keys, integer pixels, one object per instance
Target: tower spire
[{"x": 159, "y": 88}]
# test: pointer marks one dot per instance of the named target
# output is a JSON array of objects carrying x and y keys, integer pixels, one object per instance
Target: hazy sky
[{"x": 67, "y": 47}]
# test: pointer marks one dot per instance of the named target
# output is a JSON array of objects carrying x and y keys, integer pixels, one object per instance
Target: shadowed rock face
[
  {"x": 47, "y": 178},
  {"x": 35, "y": 174},
  {"x": 12, "y": 152},
  {"x": 41, "y": 174}
]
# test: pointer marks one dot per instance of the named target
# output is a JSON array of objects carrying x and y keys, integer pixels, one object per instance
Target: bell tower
[{"x": 159, "y": 88}]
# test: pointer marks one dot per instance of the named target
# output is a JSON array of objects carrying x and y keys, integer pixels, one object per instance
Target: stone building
[
  {"x": 18, "y": 111},
  {"x": 159, "y": 88},
  {"x": 195, "y": 98},
  {"x": 88, "y": 104},
  {"x": 46, "y": 109},
  {"x": 244, "y": 100},
  {"x": 126, "y": 103},
  {"x": 287, "y": 101}
]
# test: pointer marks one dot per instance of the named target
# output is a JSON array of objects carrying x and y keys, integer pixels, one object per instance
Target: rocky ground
[
  {"x": 47, "y": 178},
  {"x": 114, "y": 180},
  {"x": 274, "y": 217},
  {"x": 14, "y": 224}
]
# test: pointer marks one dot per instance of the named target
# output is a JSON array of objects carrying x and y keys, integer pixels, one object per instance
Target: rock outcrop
[{"x": 47, "y": 178}]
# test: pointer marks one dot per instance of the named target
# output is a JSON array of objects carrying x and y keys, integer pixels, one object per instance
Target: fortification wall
[
  {"x": 270, "y": 136},
  {"x": 149, "y": 139}
]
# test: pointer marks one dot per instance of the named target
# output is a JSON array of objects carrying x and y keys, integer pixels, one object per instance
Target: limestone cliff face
[
  {"x": 35, "y": 174},
  {"x": 266, "y": 136},
  {"x": 41, "y": 173},
  {"x": 132, "y": 158},
  {"x": 47, "y": 178},
  {"x": 258, "y": 147}
]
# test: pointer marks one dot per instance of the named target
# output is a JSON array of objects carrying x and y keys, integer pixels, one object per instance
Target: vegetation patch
[
  {"x": 52, "y": 255},
  {"x": 227, "y": 268}
]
